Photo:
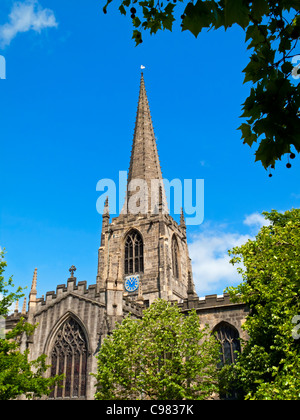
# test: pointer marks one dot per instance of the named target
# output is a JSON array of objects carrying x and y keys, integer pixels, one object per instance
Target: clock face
[{"x": 132, "y": 283}]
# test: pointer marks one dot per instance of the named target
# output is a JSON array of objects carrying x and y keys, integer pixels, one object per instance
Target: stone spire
[
  {"x": 144, "y": 162},
  {"x": 105, "y": 216},
  {"x": 24, "y": 306},
  {"x": 182, "y": 219},
  {"x": 192, "y": 295},
  {"x": 106, "y": 208},
  {"x": 17, "y": 307},
  {"x": 33, "y": 291},
  {"x": 34, "y": 282}
]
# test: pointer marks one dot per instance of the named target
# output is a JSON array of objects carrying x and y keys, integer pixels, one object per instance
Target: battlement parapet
[
  {"x": 79, "y": 289},
  {"x": 208, "y": 302}
]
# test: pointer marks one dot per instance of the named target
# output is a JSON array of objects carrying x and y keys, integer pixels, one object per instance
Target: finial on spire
[
  {"x": 191, "y": 287},
  {"x": 33, "y": 292},
  {"x": 34, "y": 282},
  {"x": 72, "y": 269},
  {"x": 24, "y": 306},
  {"x": 17, "y": 307},
  {"x": 182, "y": 219},
  {"x": 106, "y": 208}
]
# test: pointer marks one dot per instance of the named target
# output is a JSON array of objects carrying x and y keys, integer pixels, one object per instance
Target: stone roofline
[
  {"x": 209, "y": 302},
  {"x": 129, "y": 306},
  {"x": 79, "y": 290}
]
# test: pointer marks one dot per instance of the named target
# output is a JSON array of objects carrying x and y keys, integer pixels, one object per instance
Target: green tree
[
  {"x": 18, "y": 376},
  {"x": 269, "y": 365},
  {"x": 272, "y": 32},
  {"x": 165, "y": 355}
]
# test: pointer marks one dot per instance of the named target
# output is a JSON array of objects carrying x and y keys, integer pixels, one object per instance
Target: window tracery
[
  {"x": 228, "y": 337},
  {"x": 69, "y": 357},
  {"x": 134, "y": 253}
]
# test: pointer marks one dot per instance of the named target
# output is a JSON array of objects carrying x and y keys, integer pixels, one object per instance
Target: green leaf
[
  {"x": 136, "y": 22},
  {"x": 168, "y": 22},
  {"x": 197, "y": 17},
  {"x": 236, "y": 11},
  {"x": 169, "y": 8},
  {"x": 287, "y": 67},
  {"x": 122, "y": 10},
  {"x": 259, "y": 9},
  {"x": 247, "y": 134}
]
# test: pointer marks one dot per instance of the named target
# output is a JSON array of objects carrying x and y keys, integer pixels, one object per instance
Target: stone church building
[{"x": 143, "y": 255}]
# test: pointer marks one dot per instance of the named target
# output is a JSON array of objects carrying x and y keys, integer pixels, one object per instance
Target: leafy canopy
[
  {"x": 269, "y": 365},
  {"x": 18, "y": 376},
  {"x": 163, "y": 356},
  {"x": 272, "y": 32}
]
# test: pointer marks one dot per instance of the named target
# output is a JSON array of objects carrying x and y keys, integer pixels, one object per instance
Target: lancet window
[
  {"x": 134, "y": 253},
  {"x": 175, "y": 257}
]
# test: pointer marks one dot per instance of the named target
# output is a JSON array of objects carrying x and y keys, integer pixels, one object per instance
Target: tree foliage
[
  {"x": 269, "y": 365},
  {"x": 165, "y": 356},
  {"x": 18, "y": 376},
  {"x": 272, "y": 32}
]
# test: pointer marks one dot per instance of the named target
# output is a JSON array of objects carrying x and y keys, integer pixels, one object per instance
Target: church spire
[{"x": 144, "y": 161}]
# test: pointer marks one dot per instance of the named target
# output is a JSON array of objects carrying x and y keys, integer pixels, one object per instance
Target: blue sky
[{"x": 67, "y": 112}]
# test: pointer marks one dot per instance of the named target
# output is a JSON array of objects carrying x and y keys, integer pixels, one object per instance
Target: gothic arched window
[
  {"x": 228, "y": 337},
  {"x": 69, "y": 357},
  {"x": 134, "y": 253},
  {"x": 175, "y": 257}
]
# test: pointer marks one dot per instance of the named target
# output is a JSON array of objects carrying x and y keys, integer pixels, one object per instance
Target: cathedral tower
[{"x": 143, "y": 253}]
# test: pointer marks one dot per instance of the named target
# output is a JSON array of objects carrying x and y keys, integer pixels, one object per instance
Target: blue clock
[{"x": 132, "y": 283}]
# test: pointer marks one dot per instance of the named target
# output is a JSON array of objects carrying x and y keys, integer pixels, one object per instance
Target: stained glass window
[{"x": 69, "y": 357}]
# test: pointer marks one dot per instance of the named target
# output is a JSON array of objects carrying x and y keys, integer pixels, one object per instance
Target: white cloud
[
  {"x": 256, "y": 220},
  {"x": 212, "y": 271},
  {"x": 208, "y": 249},
  {"x": 26, "y": 16}
]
